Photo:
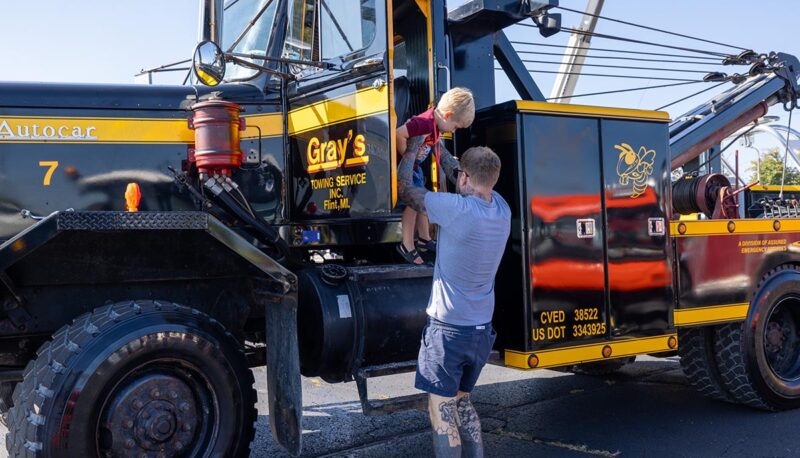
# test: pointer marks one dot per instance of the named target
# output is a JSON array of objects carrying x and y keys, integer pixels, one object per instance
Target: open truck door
[{"x": 341, "y": 119}]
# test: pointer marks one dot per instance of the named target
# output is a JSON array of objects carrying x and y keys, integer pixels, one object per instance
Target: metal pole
[
  {"x": 575, "y": 54},
  {"x": 210, "y": 27}
]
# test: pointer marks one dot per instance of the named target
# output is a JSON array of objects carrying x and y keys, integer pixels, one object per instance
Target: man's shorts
[{"x": 451, "y": 357}]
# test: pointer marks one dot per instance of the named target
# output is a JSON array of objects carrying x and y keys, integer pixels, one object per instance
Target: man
[{"x": 473, "y": 229}]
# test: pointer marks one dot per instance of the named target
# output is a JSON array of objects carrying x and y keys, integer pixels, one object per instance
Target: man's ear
[{"x": 447, "y": 115}]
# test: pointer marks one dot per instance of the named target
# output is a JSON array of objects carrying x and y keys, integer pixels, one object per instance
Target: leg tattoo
[
  {"x": 469, "y": 427},
  {"x": 444, "y": 419}
]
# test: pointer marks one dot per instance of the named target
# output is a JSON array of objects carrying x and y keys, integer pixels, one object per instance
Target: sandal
[
  {"x": 410, "y": 256},
  {"x": 426, "y": 245}
]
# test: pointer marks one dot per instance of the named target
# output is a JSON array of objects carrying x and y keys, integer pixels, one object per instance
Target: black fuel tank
[{"x": 355, "y": 317}]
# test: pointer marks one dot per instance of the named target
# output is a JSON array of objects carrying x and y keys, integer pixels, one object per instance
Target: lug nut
[
  {"x": 187, "y": 427},
  {"x": 137, "y": 404},
  {"x": 178, "y": 445},
  {"x": 184, "y": 406},
  {"x": 173, "y": 395},
  {"x": 129, "y": 424},
  {"x": 155, "y": 394},
  {"x": 129, "y": 443}
]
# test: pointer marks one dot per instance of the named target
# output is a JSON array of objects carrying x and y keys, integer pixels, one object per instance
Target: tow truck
[{"x": 160, "y": 241}]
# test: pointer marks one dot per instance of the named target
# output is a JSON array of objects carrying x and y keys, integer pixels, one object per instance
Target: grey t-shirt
[{"x": 472, "y": 238}]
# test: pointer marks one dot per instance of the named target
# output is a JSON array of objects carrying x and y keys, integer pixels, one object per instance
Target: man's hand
[{"x": 413, "y": 196}]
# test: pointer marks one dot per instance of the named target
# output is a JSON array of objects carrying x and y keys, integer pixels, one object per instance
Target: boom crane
[{"x": 773, "y": 79}]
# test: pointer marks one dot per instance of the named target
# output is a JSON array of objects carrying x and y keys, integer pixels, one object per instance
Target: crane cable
[
  {"x": 631, "y": 40},
  {"x": 624, "y": 51},
  {"x": 785, "y": 154},
  {"x": 651, "y": 28}
]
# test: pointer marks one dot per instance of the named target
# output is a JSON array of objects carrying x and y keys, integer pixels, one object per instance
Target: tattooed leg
[
  {"x": 444, "y": 420},
  {"x": 469, "y": 427}
]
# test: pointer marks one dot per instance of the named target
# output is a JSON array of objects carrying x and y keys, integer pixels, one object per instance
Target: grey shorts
[{"x": 451, "y": 357}]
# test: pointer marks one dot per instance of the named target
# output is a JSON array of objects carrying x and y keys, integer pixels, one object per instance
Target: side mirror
[{"x": 208, "y": 63}]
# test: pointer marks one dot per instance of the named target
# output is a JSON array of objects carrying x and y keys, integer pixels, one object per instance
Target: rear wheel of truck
[
  {"x": 759, "y": 359},
  {"x": 699, "y": 362},
  {"x": 140, "y": 379}
]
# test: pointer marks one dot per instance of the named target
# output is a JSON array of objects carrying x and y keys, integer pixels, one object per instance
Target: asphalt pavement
[{"x": 645, "y": 410}]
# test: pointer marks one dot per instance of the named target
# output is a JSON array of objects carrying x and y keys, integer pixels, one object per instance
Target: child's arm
[{"x": 401, "y": 139}]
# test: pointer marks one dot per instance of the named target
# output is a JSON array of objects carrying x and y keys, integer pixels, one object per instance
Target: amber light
[
  {"x": 607, "y": 351},
  {"x": 133, "y": 195},
  {"x": 672, "y": 342},
  {"x": 533, "y": 361}
]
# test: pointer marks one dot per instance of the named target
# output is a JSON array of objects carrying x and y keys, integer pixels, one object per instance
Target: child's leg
[
  {"x": 423, "y": 228},
  {"x": 409, "y": 220}
]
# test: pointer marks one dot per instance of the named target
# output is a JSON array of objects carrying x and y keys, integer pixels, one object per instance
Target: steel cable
[
  {"x": 624, "y": 51},
  {"x": 633, "y": 89},
  {"x": 636, "y": 59},
  {"x": 680, "y": 70},
  {"x": 651, "y": 28},
  {"x": 691, "y": 95},
  {"x": 655, "y": 78},
  {"x": 631, "y": 40}
]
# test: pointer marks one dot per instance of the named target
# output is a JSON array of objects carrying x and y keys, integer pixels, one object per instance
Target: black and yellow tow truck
[{"x": 159, "y": 241}]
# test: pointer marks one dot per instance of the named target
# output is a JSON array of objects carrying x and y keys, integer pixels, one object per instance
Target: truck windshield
[{"x": 239, "y": 36}]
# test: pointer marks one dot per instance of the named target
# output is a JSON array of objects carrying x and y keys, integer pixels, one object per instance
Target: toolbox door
[
  {"x": 565, "y": 252},
  {"x": 340, "y": 122},
  {"x": 636, "y": 176}
]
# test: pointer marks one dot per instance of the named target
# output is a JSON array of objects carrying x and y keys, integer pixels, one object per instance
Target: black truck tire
[
  {"x": 6, "y": 392},
  {"x": 698, "y": 361},
  {"x": 142, "y": 378},
  {"x": 759, "y": 359}
]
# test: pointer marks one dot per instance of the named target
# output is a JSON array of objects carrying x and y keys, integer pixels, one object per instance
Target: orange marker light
[{"x": 132, "y": 197}]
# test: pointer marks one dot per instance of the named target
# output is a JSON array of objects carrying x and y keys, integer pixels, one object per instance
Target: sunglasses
[{"x": 457, "y": 171}]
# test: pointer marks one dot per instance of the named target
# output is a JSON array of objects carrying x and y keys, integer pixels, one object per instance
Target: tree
[{"x": 771, "y": 169}]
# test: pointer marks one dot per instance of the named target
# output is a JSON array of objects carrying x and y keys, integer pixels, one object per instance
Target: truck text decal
[{"x": 332, "y": 154}]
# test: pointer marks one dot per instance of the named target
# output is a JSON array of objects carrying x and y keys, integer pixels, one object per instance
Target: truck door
[{"x": 341, "y": 119}]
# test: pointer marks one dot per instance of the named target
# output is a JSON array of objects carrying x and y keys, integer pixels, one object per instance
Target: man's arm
[
  {"x": 448, "y": 162},
  {"x": 401, "y": 138},
  {"x": 413, "y": 196}
]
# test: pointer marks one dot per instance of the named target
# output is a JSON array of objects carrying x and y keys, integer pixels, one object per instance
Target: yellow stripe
[
  {"x": 712, "y": 314},
  {"x": 775, "y": 188},
  {"x": 100, "y": 130},
  {"x": 392, "y": 114},
  {"x": 740, "y": 227},
  {"x": 585, "y": 110},
  {"x": 361, "y": 104},
  {"x": 590, "y": 352},
  {"x": 271, "y": 125}
]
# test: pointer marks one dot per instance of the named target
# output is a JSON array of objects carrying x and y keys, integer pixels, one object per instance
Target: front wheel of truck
[{"x": 141, "y": 378}]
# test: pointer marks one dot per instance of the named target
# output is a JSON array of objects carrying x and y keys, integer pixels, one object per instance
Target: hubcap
[
  {"x": 781, "y": 340},
  {"x": 152, "y": 415}
]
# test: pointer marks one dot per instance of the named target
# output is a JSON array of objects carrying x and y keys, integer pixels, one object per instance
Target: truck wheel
[
  {"x": 759, "y": 359},
  {"x": 141, "y": 378},
  {"x": 6, "y": 391},
  {"x": 699, "y": 364}
]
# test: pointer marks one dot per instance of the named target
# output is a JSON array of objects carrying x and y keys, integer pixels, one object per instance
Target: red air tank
[{"x": 217, "y": 126}]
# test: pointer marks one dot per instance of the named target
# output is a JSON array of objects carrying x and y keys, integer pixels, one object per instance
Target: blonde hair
[
  {"x": 482, "y": 165},
  {"x": 460, "y": 103}
]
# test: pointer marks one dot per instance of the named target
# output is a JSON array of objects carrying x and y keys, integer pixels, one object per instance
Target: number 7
[{"x": 53, "y": 165}]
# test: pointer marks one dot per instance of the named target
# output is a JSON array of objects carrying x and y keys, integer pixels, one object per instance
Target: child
[{"x": 456, "y": 109}]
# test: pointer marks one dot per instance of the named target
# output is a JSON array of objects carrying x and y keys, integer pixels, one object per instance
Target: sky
[{"x": 104, "y": 41}]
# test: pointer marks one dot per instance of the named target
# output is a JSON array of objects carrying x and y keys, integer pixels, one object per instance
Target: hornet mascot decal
[{"x": 635, "y": 168}]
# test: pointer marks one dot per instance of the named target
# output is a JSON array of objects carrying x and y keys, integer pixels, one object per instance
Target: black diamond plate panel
[{"x": 131, "y": 221}]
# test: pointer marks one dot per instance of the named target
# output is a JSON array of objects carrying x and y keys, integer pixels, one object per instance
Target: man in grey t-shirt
[{"x": 474, "y": 226}]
